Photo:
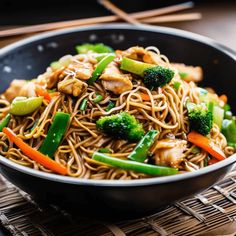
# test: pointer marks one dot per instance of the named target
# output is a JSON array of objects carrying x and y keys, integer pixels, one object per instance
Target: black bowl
[{"x": 28, "y": 58}]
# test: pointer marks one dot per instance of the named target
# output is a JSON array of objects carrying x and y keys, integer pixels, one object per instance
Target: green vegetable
[
  {"x": 154, "y": 76},
  {"x": 98, "y": 98},
  {"x": 200, "y": 118},
  {"x": 110, "y": 106},
  {"x": 176, "y": 85},
  {"x": 100, "y": 56},
  {"x": 217, "y": 112},
  {"x": 133, "y": 165},
  {"x": 157, "y": 77},
  {"x": 135, "y": 67},
  {"x": 228, "y": 115},
  {"x": 101, "y": 66},
  {"x": 83, "y": 104},
  {"x": 183, "y": 75},
  {"x": 22, "y": 106},
  {"x": 140, "y": 152},
  {"x": 207, "y": 97},
  {"x": 55, "y": 65},
  {"x": 55, "y": 133},
  {"x": 96, "y": 48},
  {"x": 104, "y": 150},
  {"x": 227, "y": 107},
  {"x": 229, "y": 131},
  {"x": 121, "y": 126},
  {"x": 5, "y": 121},
  {"x": 195, "y": 150}
]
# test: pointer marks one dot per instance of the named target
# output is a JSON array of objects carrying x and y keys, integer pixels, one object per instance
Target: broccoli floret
[
  {"x": 157, "y": 76},
  {"x": 200, "y": 118},
  {"x": 121, "y": 126},
  {"x": 154, "y": 76}
]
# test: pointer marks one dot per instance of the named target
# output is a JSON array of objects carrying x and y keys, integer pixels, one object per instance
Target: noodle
[{"x": 165, "y": 112}]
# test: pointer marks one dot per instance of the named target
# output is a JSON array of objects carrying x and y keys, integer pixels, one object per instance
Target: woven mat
[{"x": 207, "y": 211}]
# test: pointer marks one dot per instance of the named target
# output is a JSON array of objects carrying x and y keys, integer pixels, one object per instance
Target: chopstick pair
[
  {"x": 149, "y": 16},
  {"x": 154, "y": 19}
]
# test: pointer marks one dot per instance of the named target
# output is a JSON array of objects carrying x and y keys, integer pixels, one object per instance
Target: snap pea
[{"x": 5, "y": 122}]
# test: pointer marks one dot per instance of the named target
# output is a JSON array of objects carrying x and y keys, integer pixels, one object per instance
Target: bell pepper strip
[
  {"x": 34, "y": 154},
  {"x": 140, "y": 152},
  {"x": 229, "y": 131},
  {"x": 133, "y": 165},
  {"x": 110, "y": 106},
  {"x": 22, "y": 106},
  {"x": 55, "y": 134},
  {"x": 145, "y": 96},
  {"x": 101, "y": 66},
  {"x": 206, "y": 144},
  {"x": 5, "y": 122},
  {"x": 98, "y": 98},
  {"x": 83, "y": 104}
]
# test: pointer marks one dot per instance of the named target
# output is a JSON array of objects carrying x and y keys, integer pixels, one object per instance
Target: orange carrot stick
[
  {"x": 34, "y": 154},
  {"x": 205, "y": 143}
]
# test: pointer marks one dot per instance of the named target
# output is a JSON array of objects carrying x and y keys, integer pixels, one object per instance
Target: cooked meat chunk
[
  {"x": 191, "y": 73},
  {"x": 72, "y": 86},
  {"x": 114, "y": 80},
  {"x": 53, "y": 78},
  {"x": 80, "y": 70},
  {"x": 20, "y": 88},
  {"x": 169, "y": 152}
]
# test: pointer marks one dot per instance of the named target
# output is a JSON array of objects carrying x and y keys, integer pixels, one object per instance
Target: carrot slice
[
  {"x": 34, "y": 154},
  {"x": 43, "y": 93},
  {"x": 206, "y": 144},
  {"x": 145, "y": 96},
  {"x": 224, "y": 98}
]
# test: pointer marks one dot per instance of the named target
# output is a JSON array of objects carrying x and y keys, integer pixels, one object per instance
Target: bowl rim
[{"x": 120, "y": 183}]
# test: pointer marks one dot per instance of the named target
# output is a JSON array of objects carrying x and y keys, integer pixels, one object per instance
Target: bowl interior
[{"x": 29, "y": 59}]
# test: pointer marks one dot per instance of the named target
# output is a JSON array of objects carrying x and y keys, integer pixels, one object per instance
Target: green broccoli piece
[
  {"x": 154, "y": 76},
  {"x": 96, "y": 48},
  {"x": 121, "y": 126},
  {"x": 200, "y": 118},
  {"x": 157, "y": 76}
]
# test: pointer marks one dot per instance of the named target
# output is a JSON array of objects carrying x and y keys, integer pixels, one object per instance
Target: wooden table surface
[{"x": 218, "y": 23}]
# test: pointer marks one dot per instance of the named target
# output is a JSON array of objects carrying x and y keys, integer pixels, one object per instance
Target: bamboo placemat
[{"x": 214, "y": 208}]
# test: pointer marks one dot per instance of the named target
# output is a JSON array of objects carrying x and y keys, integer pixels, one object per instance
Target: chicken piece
[
  {"x": 80, "y": 70},
  {"x": 135, "y": 53},
  {"x": 190, "y": 73},
  {"x": 72, "y": 86},
  {"x": 54, "y": 77},
  {"x": 169, "y": 152},
  {"x": 20, "y": 88},
  {"x": 114, "y": 80}
]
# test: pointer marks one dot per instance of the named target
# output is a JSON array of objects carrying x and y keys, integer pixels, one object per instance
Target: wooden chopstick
[
  {"x": 117, "y": 11},
  {"x": 94, "y": 20},
  {"x": 173, "y": 18}
]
